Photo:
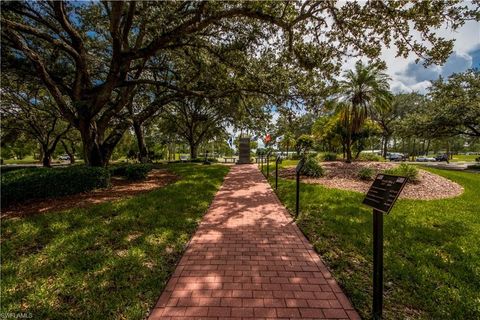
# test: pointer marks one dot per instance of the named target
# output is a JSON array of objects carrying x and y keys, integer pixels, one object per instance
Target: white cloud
[
  {"x": 421, "y": 87},
  {"x": 407, "y": 76}
]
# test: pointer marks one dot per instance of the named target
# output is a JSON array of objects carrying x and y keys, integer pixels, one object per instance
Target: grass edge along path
[
  {"x": 108, "y": 261},
  {"x": 432, "y": 265}
]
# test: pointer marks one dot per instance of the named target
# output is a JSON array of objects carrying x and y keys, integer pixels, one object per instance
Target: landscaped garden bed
[
  {"x": 347, "y": 176},
  {"x": 431, "y": 247}
]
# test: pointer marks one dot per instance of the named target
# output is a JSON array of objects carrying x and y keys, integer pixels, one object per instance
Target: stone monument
[{"x": 244, "y": 151}]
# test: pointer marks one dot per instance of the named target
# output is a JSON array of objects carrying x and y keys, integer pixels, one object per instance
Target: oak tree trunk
[
  {"x": 47, "y": 157},
  {"x": 142, "y": 147}
]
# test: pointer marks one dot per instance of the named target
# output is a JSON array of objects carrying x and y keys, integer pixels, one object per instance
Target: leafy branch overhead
[{"x": 93, "y": 56}]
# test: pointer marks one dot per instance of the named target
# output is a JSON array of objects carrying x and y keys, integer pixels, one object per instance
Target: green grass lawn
[
  {"x": 464, "y": 157},
  {"x": 432, "y": 248},
  {"x": 109, "y": 261},
  {"x": 26, "y": 160}
]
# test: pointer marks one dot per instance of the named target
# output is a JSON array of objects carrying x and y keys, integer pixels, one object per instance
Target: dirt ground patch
[
  {"x": 120, "y": 189},
  {"x": 341, "y": 175}
]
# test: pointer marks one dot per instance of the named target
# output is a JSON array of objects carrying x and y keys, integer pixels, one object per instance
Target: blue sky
[{"x": 407, "y": 76}]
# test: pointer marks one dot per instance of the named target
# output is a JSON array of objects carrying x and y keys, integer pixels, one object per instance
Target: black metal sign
[
  {"x": 381, "y": 196},
  {"x": 384, "y": 192}
]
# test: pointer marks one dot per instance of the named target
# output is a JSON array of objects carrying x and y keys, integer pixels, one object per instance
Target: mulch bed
[
  {"x": 120, "y": 189},
  {"x": 341, "y": 175}
]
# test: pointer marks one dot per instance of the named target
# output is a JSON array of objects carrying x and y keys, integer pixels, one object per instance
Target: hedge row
[
  {"x": 137, "y": 171},
  {"x": 38, "y": 183}
]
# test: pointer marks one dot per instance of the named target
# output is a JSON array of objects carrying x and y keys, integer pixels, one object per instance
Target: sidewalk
[{"x": 248, "y": 260}]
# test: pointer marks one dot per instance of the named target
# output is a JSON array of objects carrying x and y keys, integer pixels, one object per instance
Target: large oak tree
[{"x": 90, "y": 56}]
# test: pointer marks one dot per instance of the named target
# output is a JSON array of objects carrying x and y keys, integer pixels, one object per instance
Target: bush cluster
[
  {"x": 474, "y": 167},
  {"x": 136, "y": 171},
  {"x": 311, "y": 168},
  {"x": 370, "y": 157},
  {"x": 404, "y": 170},
  {"x": 21, "y": 185},
  {"x": 328, "y": 156},
  {"x": 366, "y": 174}
]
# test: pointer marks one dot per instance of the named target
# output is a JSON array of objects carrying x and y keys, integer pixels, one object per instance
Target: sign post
[
  {"x": 279, "y": 159},
  {"x": 297, "y": 171},
  {"x": 381, "y": 196}
]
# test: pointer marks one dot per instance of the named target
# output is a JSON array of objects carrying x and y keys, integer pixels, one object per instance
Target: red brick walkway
[{"x": 247, "y": 260}]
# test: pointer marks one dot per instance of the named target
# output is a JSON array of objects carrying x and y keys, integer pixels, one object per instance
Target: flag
[
  {"x": 268, "y": 138},
  {"x": 230, "y": 142}
]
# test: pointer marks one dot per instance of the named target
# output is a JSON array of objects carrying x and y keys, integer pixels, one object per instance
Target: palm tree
[
  {"x": 288, "y": 141},
  {"x": 363, "y": 90}
]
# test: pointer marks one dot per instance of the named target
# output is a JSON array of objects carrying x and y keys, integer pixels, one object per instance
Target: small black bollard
[
  {"x": 268, "y": 165},
  {"x": 276, "y": 171},
  {"x": 297, "y": 202},
  {"x": 261, "y": 160}
]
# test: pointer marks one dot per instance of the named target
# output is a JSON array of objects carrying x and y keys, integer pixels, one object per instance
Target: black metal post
[
  {"x": 297, "y": 203},
  {"x": 276, "y": 174},
  {"x": 261, "y": 160},
  {"x": 268, "y": 165},
  {"x": 377, "y": 264}
]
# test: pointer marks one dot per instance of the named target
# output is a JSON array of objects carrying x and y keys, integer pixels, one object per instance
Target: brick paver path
[{"x": 248, "y": 260}]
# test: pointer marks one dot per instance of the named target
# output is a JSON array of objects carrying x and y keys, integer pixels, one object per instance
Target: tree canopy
[{"x": 94, "y": 58}]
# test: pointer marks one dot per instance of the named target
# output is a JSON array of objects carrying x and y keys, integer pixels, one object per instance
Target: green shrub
[
  {"x": 404, "y": 170},
  {"x": 474, "y": 167},
  {"x": 25, "y": 184},
  {"x": 138, "y": 172},
  {"x": 366, "y": 174},
  {"x": 370, "y": 157},
  {"x": 133, "y": 172},
  {"x": 311, "y": 168},
  {"x": 118, "y": 169},
  {"x": 328, "y": 156}
]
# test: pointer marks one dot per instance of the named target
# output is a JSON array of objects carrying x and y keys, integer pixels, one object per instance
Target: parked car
[
  {"x": 394, "y": 156},
  {"x": 442, "y": 157},
  {"x": 64, "y": 157},
  {"x": 425, "y": 159}
]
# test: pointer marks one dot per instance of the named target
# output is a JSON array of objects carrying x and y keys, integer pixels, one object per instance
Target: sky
[{"x": 408, "y": 76}]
